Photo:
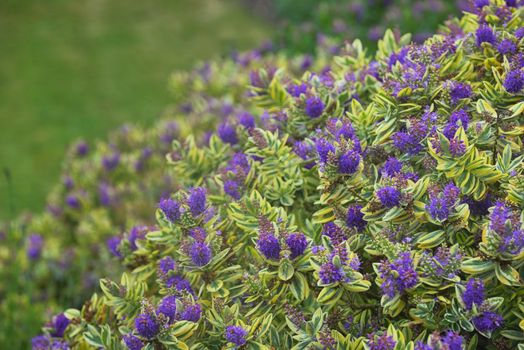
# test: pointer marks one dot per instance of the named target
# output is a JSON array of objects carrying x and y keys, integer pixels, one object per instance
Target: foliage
[
  {"x": 307, "y": 23},
  {"x": 375, "y": 203},
  {"x": 111, "y": 188}
]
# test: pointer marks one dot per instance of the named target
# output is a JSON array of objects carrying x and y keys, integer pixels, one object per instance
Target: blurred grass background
[{"x": 71, "y": 69}]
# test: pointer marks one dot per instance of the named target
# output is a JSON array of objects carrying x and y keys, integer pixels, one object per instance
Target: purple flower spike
[
  {"x": 236, "y": 335},
  {"x": 314, "y": 107}
]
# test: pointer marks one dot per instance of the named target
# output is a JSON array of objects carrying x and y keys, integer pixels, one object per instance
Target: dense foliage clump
[
  {"x": 369, "y": 203},
  {"x": 108, "y": 193},
  {"x": 306, "y": 23}
]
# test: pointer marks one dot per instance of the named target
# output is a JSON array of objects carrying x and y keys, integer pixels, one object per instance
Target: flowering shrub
[
  {"x": 109, "y": 191},
  {"x": 375, "y": 204}
]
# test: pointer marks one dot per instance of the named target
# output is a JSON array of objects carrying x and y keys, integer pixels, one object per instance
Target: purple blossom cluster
[
  {"x": 409, "y": 140},
  {"x": 238, "y": 168},
  {"x": 505, "y": 222},
  {"x": 441, "y": 203},
  {"x": 444, "y": 263},
  {"x": 236, "y": 335},
  {"x": 397, "y": 276}
]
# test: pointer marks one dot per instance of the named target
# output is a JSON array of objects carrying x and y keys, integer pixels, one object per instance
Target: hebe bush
[
  {"x": 376, "y": 204},
  {"x": 108, "y": 195}
]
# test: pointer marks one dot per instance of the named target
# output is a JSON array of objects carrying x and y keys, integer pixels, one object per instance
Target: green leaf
[
  {"x": 285, "y": 270},
  {"x": 358, "y": 286},
  {"x": 214, "y": 286},
  {"x": 477, "y": 266},
  {"x": 430, "y": 239},
  {"x": 299, "y": 287},
  {"x": 329, "y": 295},
  {"x": 507, "y": 275}
]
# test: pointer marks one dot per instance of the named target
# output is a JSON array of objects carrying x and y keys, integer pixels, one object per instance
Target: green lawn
[{"x": 71, "y": 69}]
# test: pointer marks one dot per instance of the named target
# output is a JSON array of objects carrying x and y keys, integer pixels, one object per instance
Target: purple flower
[
  {"x": 132, "y": 342},
  {"x": 167, "y": 307},
  {"x": 406, "y": 142},
  {"x": 438, "y": 208},
  {"x": 297, "y": 244},
  {"x": 348, "y": 162},
  {"x": 441, "y": 203},
  {"x": 382, "y": 342},
  {"x": 73, "y": 202},
  {"x": 113, "y": 244},
  {"x": 400, "y": 56},
  {"x": 40, "y": 342},
  {"x": 170, "y": 208},
  {"x": 355, "y": 218},
  {"x": 140, "y": 163},
  {"x": 398, "y": 275},
  {"x": 391, "y": 167},
  {"x": 485, "y": 34},
  {"x": 227, "y": 133},
  {"x": 197, "y": 200},
  {"x": 34, "y": 246},
  {"x": 246, "y": 120},
  {"x": 355, "y": 263},
  {"x": 307, "y": 61},
  {"x": 69, "y": 183},
  {"x": 239, "y": 164},
  {"x": 82, "y": 149},
  {"x": 451, "y": 193},
  {"x": 329, "y": 273},
  {"x": 512, "y": 3},
  {"x": 498, "y": 218},
  {"x": 166, "y": 264},
  {"x": 460, "y": 91},
  {"x": 457, "y": 147},
  {"x": 474, "y": 293},
  {"x": 180, "y": 284},
  {"x": 147, "y": 325},
  {"x": 200, "y": 253},
  {"x": 269, "y": 246},
  {"x": 236, "y": 335},
  {"x": 452, "y": 341},
  {"x": 421, "y": 346},
  {"x": 513, "y": 243},
  {"x": 343, "y": 129},
  {"x": 104, "y": 194},
  {"x": 137, "y": 233},
  {"x": 389, "y": 196},
  {"x": 255, "y": 79},
  {"x": 302, "y": 149},
  {"x": 506, "y": 47},
  {"x": 191, "y": 313},
  {"x": 514, "y": 81},
  {"x": 324, "y": 148},
  {"x": 111, "y": 162},
  {"x": 198, "y": 234},
  {"x": 481, "y": 3},
  {"x": 314, "y": 107},
  {"x": 487, "y": 321},
  {"x": 519, "y": 33},
  {"x": 170, "y": 130},
  {"x": 296, "y": 90},
  {"x": 59, "y": 345},
  {"x": 334, "y": 232},
  {"x": 231, "y": 188},
  {"x": 457, "y": 118}
]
